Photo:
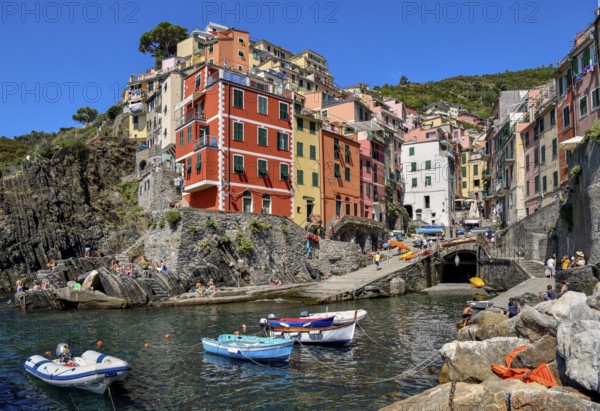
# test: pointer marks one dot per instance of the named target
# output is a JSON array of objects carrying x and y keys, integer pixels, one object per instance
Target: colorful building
[
  {"x": 307, "y": 155},
  {"x": 235, "y": 142},
  {"x": 372, "y": 172}
]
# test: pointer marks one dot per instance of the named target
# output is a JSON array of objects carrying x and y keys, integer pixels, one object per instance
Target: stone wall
[
  {"x": 157, "y": 189},
  {"x": 238, "y": 249},
  {"x": 501, "y": 275}
]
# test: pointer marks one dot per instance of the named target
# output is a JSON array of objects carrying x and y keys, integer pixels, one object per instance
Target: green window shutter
[
  {"x": 586, "y": 57},
  {"x": 368, "y": 189},
  {"x": 475, "y": 169},
  {"x": 428, "y": 165},
  {"x": 283, "y": 111},
  {"x": 411, "y": 151},
  {"x": 262, "y": 169},
  {"x": 315, "y": 179},
  {"x": 543, "y": 152},
  {"x": 554, "y": 148},
  {"x": 262, "y": 105},
  {"x": 198, "y": 162},
  {"x": 555, "y": 178},
  {"x": 238, "y": 164},
  {"x": 299, "y": 149},
  {"x": 413, "y": 167},
  {"x": 464, "y": 184},
  {"x": 464, "y": 172},
  {"x": 238, "y": 98},
  {"x": 181, "y": 138},
  {"x": 347, "y": 173},
  {"x": 284, "y": 172},
  {"x": 282, "y": 141},
  {"x": 336, "y": 148},
  {"x": 544, "y": 183},
  {"x": 427, "y": 180},
  {"x": 300, "y": 177},
  {"x": 313, "y": 152},
  {"x": 347, "y": 153},
  {"x": 575, "y": 67},
  {"x": 336, "y": 171},
  {"x": 414, "y": 182},
  {"x": 189, "y": 166},
  {"x": 262, "y": 136},
  {"x": 238, "y": 131},
  {"x": 189, "y": 134}
]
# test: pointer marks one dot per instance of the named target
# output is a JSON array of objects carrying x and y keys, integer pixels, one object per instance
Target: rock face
[
  {"x": 581, "y": 279},
  {"x": 50, "y": 208},
  {"x": 88, "y": 299},
  {"x": 578, "y": 349}
]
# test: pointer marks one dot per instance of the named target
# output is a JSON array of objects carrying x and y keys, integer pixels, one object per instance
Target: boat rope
[
  {"x": 111, "y": 399},
  {"x": 73, "y": 401},
  {"x": 248, "y": 358},
  {"x": 451, "y": 396},
  {"x": 315, "y": 358},
  {"x": 368, "y": 336},
  {"x": 429, "y": 360}
]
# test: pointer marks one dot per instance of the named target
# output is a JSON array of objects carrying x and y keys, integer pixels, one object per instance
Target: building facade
[{"x": 307, "y": 155}]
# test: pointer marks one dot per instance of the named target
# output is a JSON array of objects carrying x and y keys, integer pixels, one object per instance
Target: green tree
[
  {"x": 114, "y": 111},
  {"x": 85, "y": 115},
  {"x": 161, "y": 41},
  {"x": 404, "y": 81}
]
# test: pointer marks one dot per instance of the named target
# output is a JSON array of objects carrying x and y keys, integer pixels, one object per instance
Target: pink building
[{"x": 372, "y": 175}]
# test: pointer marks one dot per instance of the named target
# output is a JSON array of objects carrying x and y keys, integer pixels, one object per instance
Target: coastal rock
[
  {"x": 92, "y": 281},
  {"x": 397, "y": 287},
  {"x": 505, "y": 328},
  {"x": 532, "y": 324},
  {"x": 559, "y": 309},
  {"x": 579, "y": 279},
  {"x": 471, "y": 361},
  {"x": 543, "y": 351},
  {"x": 530, "y": 400},
  {"x": 37, "y": 299},
  {"x": 578, "y": 348},
  {"x": 467, "y": 333},
  {"x": 121, "y": 286},
  {"x": 82, "y": 297},
  {"x": 596, "y": 288},
  {"x": 489, "y": 317}
]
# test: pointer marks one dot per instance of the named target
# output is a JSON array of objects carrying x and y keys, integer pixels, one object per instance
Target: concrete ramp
[{"x": 532, "y": 286}]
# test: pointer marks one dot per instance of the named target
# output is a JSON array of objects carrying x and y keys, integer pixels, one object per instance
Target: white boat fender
[{"x": 271, "y": 316}]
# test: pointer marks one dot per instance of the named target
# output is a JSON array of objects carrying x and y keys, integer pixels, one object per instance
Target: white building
[{"x": 429, "y": 176}]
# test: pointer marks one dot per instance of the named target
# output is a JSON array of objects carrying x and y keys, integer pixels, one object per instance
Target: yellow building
[
  {"x": 307, "y": 190},
  {"x": 473, "y": 170}
]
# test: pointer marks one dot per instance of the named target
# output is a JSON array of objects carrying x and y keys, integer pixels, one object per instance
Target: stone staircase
[
  {"x": 155, "y": 289},
  {"x": 131, "y": 252},
  {"x": 534, "y": 268}
]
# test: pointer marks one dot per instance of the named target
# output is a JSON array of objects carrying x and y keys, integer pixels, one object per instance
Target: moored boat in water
[
  {"x": 339, "y": 317},
  {"x": 244, "y": 347},
  {"x": 334, "y": 335}
]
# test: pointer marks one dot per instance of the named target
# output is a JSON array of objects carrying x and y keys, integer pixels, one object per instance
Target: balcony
[
  {"x": 205, "y": 141},
  {"x": 251, "y": 82},
  {"x": 509, "y": 159},
  {"x": 189, "y": 116},
  {"x": 487, "y": 175}
]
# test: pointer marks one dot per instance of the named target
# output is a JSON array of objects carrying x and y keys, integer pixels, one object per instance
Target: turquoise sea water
[{"x": 175, "y": 373}]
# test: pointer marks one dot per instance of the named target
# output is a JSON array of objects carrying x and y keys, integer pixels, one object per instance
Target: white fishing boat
[
  {"x": 339, "y": 317},
  {"x": 480, "y": 305},
  {"x": 93, "y": 371},
  {"x": 334, "y": 335}
]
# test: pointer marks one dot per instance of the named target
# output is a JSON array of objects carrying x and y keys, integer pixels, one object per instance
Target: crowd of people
[
  {"x": 207, "y": 290},
  {"x": 578, "y": 260}
]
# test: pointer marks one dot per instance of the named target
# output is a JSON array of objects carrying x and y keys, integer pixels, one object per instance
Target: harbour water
[{"x": 175, "y": 373}]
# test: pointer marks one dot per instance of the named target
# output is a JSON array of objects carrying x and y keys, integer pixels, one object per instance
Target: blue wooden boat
[{"x": 244, "y": 347}]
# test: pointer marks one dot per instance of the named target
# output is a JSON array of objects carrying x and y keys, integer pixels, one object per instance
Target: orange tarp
[
  {"x": 541, "y": 374},
  {"x": 399, "y": 244}
]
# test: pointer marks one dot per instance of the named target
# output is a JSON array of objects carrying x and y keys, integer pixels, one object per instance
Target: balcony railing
[
  {"x": 190, "y": 115},
  {"x": 205, "y": 141},
  {"x": 255, "y": 83}
]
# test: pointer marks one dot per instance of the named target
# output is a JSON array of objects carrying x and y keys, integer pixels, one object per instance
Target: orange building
[
  {"x": 235, "y": 142},
  {"x": 340, "y": 171}
]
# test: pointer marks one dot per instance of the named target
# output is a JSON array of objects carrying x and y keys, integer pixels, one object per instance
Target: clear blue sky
[{"x": 59, "y": 56}]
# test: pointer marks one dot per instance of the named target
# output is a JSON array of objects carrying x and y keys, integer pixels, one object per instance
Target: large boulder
[
  {"x": 471, "y": 361},
  {"x": 121, "y": 286},
  {"x": 560, "y": 308},
  {"x": 542, "y": 351},
  {"x": 83, "y": 297},
  {"x": 580, "y": 279},
  {"x": 578, "y": 349},
  {"x": 37, "y": 299},
  {"x": 532, "y": 400},
  {"x": 532, "y": 324},
  {"x": 92, "y": 281}
]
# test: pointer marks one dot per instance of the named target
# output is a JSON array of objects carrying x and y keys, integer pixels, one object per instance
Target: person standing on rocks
[{"x": 551, "y": 266}]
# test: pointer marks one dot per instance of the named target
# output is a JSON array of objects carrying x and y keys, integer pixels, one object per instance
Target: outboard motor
[
  {"x": 63, "y": 352},
  {"x": 263, "y": 327}
]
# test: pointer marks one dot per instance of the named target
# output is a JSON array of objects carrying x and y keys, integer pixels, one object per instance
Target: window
[
  {"x": 554, "y": 148},
  {"x": 428, "y": 165},
  {"x": 336, "y": 171},
  {"x": 336, "y": 148},
  {"x": 188, "y": 170},
  {"x": 475, "y": 169},
  {"x": 527, "y": 162},
  {"x": 283, "y": 111},
  {"x": 189, "y": 134},
  {"x": 347, "y": 156},
  {"x": 527, "y": 188},
  {"x": 536, "y": 184},
  {"x": 583, "y": 107},
  {"x": 355, "y": 209},
  {"x": 262, "y": 105},
  {"x": 313, "y": 152},
  {"x": 426, "y": 200},
  {"x": 368, "y": 190},
  {"x": 555, "y": 179},
  {"x": 543, "y": 153},
  {"x": 299, "y": 149},
  {"x": 595, "y": 98},
  {"x": 315, "y": 179},
  {"x": 238, "y": 164},
  {"x": 413, "y": 167},
  {"x": 300, "y": 177},
  {"x": 375, "y": 193},
  {"x": 238, "y": 98},
  {"x": 198, "y": 163},
  {"x": 430, "y": 134},
  {"x": 282, "y": 141},
  {"x": 210, "y": 48},
  {"x": 241, "y": 53},
  {"x": 238, "y": 131},
  {"x": 262, "y": 136},
  {"x": 247, "y": 202},
  {"x": 263, "y": 169},
  {"x": 299, "y": 123},
  {"x": 427, "y": 181},
  {"x": 544, "y": 187},
  {"x": 313, "y": 127},
  {"x": 463, "y": 172},
  {"x": 464, "y": 184},
  {"x": 285, "y": 171},
  {"x": 347, "y": 173},
  {"x": 536, "y": 158},
  {"x": 567, "y": 117},
  {"x": 414, "y": 183},
  {"x": 541, "y": 125},
  {"x": 464, "y": 157},
  {"x": 368, "y": 166},
  {"x": 526, "y": 138},
  {"x": 198, "y": 77},
  {"x": 241, "y": 40},
  {"x": 266, "y": 204},
  {"x": 347, "y": 206},
  {"x": 180, "y": 138},
  {"x": 553, "y": 117},
  {"x": 476, "y": 183},
  {"x": 411, "y": 151},
  {"x": 374, "y": 172}
]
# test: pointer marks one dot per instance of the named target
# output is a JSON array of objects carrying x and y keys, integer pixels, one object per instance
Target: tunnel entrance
[{"x": 448, "y": 272}]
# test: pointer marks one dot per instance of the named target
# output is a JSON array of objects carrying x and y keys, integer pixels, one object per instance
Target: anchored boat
[
  {"x": 339, "y": 317},
  {"x": 93, "y": 371},
  {"x": 244, "y": 347}
]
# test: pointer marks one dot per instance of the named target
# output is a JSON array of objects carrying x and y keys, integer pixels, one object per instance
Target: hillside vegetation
[{"x": 474, "y": 93}]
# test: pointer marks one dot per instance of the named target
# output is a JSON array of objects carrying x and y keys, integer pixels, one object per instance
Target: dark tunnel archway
[{"x": 448, "y": 272}]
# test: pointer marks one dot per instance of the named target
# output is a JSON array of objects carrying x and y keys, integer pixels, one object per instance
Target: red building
[
  {"x": 564, "y": 114},
  {"x": 235, "y": 142}
]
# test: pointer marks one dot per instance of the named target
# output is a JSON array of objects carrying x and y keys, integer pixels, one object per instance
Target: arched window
[
  {"x": 247, "y": 202},
  {"x": 338, "y": 205},
  {"x": 347, "y": 206},
  {"x": 266, "y": 204}
]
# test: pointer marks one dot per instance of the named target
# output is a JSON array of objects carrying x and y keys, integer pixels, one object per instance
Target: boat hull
[
  {"x": 251, "y": 348},
  {"x": 335, "y": 335},
  {"x": 93, "y": 371},
  {"x": 480, "y": 305},
  {"x": 303, "y": 322},
  {"x": 341, "y": 317}
]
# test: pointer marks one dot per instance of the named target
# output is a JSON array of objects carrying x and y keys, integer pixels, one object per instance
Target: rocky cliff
[{"x": 51, "y": 207}]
